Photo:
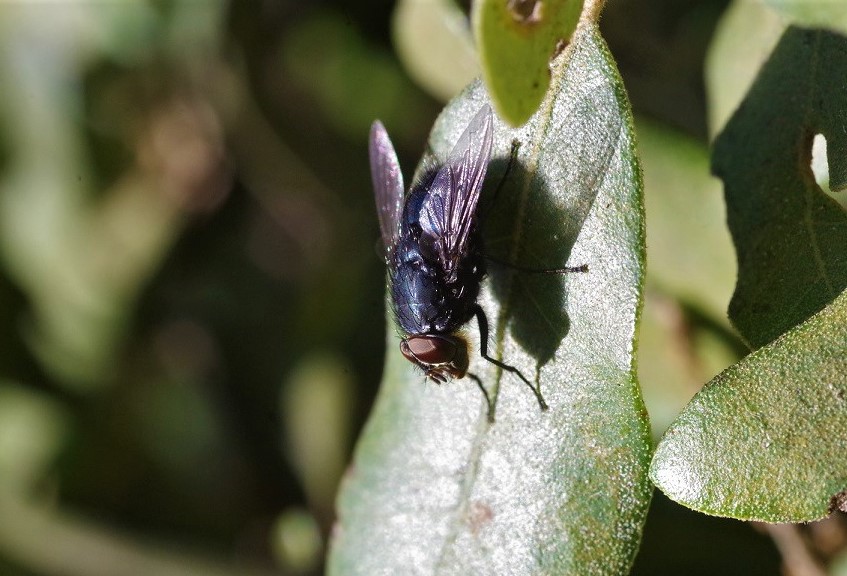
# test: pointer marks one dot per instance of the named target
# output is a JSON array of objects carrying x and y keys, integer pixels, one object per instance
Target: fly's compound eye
[
  {"x": 428, "y": 350},
  {"x": 441, "y": 357}
]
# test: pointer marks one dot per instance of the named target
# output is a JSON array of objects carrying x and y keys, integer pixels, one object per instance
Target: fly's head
[{"x": 441, "y": 357}]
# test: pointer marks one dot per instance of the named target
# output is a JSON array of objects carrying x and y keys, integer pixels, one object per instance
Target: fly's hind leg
[{"x": 482, "y": 320}]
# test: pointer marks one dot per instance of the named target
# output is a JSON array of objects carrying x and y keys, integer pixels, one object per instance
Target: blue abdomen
[{"x": 417, "y": 296}]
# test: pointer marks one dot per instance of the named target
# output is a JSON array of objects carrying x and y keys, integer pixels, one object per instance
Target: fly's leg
[
  {"x": 488, "y": 403},
  {"x": 482, "y": 320},
  {"x": 513, "y": 154}
]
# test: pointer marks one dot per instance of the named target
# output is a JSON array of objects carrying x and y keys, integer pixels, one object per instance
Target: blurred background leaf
[
  {"x": 744, "y": 39},
  {"x": 685, "y": 337},
  {"x": 191, "y": 307},
  {"x": 828, "y": 15},
  {"x": 689, "y": 246},
  {"x": 433, "y": 40}
]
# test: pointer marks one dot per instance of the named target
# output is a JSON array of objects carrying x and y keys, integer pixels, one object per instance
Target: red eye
[
  {"x": 440, "y": 356},
  {"x": 429, "y": 349}
]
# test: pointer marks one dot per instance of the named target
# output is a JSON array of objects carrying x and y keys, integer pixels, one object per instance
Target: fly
[{"x": 433, "y": 250}]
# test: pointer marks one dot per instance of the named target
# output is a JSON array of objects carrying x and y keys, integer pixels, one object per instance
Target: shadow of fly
[{"x": 433, "y": 250}]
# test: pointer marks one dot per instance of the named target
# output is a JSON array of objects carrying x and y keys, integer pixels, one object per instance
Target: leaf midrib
[{"x": 542, "y": 126}]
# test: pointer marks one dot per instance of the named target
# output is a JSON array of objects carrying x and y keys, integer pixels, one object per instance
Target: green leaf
[
  {"x": 831, "y": 15},
  {"x": 765, "y": 439},
  {"x": 516, "y": 41},
  {"x": 789, "y": 235},
  {"x": 436, "y": 488}
]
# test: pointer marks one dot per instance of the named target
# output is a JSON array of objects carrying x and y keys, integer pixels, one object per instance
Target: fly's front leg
[
  {"x": 488, "y": 403},
  {"x": 513, "y": 155}
]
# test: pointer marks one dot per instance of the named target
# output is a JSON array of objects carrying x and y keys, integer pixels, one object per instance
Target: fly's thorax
[
  {"x": 416, "y": 290},
  {"x": 433, "y": 289},
  {"x": 425, "y": 302}
]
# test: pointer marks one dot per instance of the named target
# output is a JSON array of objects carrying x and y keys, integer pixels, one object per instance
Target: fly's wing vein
[{"x": 447, "y": 215}]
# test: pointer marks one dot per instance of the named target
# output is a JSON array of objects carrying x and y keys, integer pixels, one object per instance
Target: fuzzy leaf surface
[{"x": 765, "y": 439}]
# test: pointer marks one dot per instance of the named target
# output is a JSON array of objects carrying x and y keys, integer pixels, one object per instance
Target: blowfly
[{"x": 433, "y": 250}]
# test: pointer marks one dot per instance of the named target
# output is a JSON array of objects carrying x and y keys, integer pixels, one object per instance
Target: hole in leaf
[
  {"x": 526, "y": 11},
  {"x": 820, "y": 168}
]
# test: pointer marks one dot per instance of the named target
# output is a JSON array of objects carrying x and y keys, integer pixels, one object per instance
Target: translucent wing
[
  {"x": 388, "y": 185},
  {"x": 448, "y": 212}
]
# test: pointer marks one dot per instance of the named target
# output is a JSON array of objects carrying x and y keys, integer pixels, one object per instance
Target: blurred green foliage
[{"x": 191, "y": 304}]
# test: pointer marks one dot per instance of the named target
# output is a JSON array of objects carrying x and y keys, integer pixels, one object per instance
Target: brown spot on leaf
[
  {"x": 526, "y": 11},
  {"x": 479, "y": 514}
]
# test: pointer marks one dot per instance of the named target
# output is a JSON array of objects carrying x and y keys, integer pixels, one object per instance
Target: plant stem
[{"x": 591, "y": 11}]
